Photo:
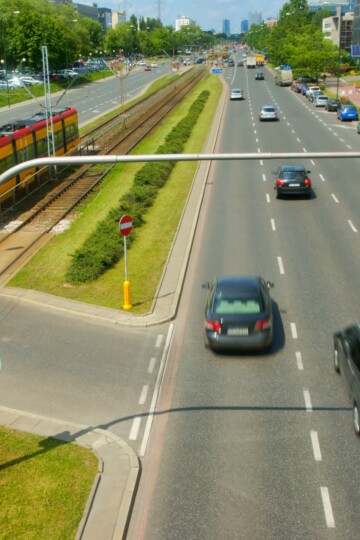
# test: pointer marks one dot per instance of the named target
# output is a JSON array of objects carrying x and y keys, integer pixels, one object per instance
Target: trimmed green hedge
[{"x": 104, "y": 248}]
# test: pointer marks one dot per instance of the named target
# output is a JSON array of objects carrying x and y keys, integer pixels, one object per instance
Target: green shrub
[{"x": 104, "y": 247}]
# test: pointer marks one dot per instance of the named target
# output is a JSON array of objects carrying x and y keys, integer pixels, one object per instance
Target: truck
[
  {"x": 251, "y": 62},
  {"x": 284, "y": 77},
  {"x": 260, "y": 59}
]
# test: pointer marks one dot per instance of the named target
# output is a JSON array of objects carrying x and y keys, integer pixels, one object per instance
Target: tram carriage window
[
  {"x": 6, "y": 163},
  {"x": 26, "y": 153}
]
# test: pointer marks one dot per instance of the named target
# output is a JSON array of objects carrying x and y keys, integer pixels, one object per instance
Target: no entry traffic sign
[{"x": 125, "y": 225}]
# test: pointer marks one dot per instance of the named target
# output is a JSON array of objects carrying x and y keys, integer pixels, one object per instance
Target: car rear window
[
  {"x": 230, "y": 306},
  {"x": 293, "y": 174}
]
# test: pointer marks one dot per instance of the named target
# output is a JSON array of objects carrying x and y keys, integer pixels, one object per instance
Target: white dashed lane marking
[
  {"x": 329, "y": 517},
  {"x": 293, "y": 330},
  {"x": 307, "y": 400},
  {"x": 315, "y": 445},
  {"x": 299, "y": 361},
  {"x": 281, "y": 266}
]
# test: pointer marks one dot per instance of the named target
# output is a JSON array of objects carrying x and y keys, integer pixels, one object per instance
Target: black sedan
[
  {"x": 333, "y": 104},
  {"x": 259, "y": 76},
  {"x": 238, "y": 314},
  {"x": 347, "y": 362},
  {"x": 292, "y": 180}
]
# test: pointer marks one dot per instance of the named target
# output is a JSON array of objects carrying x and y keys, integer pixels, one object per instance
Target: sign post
[{"x": 125, "y": 228}]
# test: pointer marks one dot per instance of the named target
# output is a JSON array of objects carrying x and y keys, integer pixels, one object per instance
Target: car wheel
[
  {"x": 278, "y": 195},
  {"x": 336, "y": 360},
  {"x": 356, "y": 420}
]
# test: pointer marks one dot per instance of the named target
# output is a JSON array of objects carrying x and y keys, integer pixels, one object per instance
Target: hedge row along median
[{"x": 104, "y": 248}]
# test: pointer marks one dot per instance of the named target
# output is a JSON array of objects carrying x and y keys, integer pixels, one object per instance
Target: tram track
[{"x": 118, "y": 135}]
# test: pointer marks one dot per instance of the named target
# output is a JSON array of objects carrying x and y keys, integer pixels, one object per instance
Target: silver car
[
  {"x": 268, "y": 112},
  {"x": 236, "y": 93},
  {"x": 320, "y": 100}
]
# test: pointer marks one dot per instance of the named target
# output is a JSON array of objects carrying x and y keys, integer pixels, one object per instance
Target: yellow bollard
[{"x": 127, "y": 299}]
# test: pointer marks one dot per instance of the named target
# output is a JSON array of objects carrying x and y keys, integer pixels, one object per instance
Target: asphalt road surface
[
  {"x": 261, "y": 446},
  {"x": 94, "y": 99}
]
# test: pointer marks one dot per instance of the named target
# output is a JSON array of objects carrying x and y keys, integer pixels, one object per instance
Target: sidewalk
[
  {"x": 109, "y": 505},
  {"x": 344, "y": 88}
]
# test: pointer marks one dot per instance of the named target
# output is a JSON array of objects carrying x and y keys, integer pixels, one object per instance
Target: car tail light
[
  {"x": 280, "y": 182},
  {"x": 307, "y": 182},
  {"x": 262, "y": 325},
  {"x": 213, "y": 326}
]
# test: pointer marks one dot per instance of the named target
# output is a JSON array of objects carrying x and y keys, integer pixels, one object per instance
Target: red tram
[{"x": 26, "y": 139}]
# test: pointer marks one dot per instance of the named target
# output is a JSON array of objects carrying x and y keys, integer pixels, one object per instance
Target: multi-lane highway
[
  {"x": 95, "y": 99},
  {"x": 262, "y": 446}
]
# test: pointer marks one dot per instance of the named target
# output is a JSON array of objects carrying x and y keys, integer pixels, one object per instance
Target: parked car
[
  {"x": 238, "y": 313},
  {"x": 7, "y": 85},
  {"x": 313, "y": 95},
  {"x": 303, "y": 89},
  {"x": 333, "y": 104},
  {"x": 236, "y": 93},
  {"x": 259, "y": 76},
  {"x": 30, "y": 81},
  {"x": 311, "y": 90},
  {"x": 292, "y": 180},
  {"x": 294, "y": 83},
  {"x": 347, "y": 362},
  {"x": 348, "y": 112},
  {"x": 147, "y": 68},
  {"x": 320, "y": 100},
  {"x": 268, "y": 112}
]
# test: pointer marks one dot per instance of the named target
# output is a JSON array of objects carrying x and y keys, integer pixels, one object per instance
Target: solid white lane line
[
  {"x": 316, "y": 445},
  {"x": 267, "y": 198},
  {"x": 329, "y": 516},
  {"x": 351, "y": 225},
  {"x": 151, "y": 365},
  {"x": 159, "y": 340},
  {"x": 281, "y": 266},
  {"x": 307, "y": 400},
  {"x": 299, "y": 361},
  {"x": 156, "y": 392},
  {"x": 335, "y": 199},
  {"x": 322, "y": 178},
  {"x": 293, "y": 330},
  {"x": 143, "y": 394},
  {"x": 264, "y": 177},
  {"x": 273, "y": 224},
  {"x": 135, "y": 428}
]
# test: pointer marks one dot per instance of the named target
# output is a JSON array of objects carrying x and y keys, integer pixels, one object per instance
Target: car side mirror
[
  {"x": 270, "y": 284},
  {"x": 308, "y": 172},
  {"x": 206, "y": 285}
]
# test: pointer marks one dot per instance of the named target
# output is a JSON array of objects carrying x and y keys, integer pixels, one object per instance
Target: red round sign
[{"x": 125, "y": 225}]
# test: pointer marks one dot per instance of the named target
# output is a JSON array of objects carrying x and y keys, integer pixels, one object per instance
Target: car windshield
[{"x": 233, "y": 306}]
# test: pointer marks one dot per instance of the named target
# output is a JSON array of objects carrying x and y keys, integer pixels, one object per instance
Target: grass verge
[
  {"x": 148, "y": 254},
  {"x": 45, "y": 484}
]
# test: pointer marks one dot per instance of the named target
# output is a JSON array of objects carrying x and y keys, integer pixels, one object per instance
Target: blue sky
[{"x": 207, "y": 13}]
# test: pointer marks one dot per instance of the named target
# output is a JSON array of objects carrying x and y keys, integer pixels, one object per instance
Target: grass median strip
[{"x": 47, "y": 270}]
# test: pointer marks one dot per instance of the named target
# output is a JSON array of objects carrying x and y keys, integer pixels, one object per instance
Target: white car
[
  {"x": 29, "y": 81},
  {"x": 311, "y": 90},
  {"x": 236, "y": 93},
  {"x": 154, "y": 65}
]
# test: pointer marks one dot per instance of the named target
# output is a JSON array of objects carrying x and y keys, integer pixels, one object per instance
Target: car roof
[{"x": 238, "y": 284}]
